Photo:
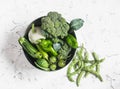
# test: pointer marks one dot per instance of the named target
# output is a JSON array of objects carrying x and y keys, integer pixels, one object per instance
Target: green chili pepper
[
  {"x": 46, "y": 45},
  {"x": 71, "y": 40},
  {"x": 44, "y": 54}
]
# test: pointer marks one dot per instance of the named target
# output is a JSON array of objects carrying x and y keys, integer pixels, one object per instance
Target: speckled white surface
[{"x": 100, "y": 33}]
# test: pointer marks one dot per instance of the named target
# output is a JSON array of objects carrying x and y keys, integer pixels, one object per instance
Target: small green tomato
[
  {"x": 61, "y": 63},
  {"x": 53, "y": 59},
  {"x": 53, "y": 67}
]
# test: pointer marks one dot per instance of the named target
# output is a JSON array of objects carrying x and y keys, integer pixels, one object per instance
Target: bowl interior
[{"x": 37, "y": 22}]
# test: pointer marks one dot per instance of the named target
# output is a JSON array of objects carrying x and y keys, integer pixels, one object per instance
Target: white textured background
[{"x": 100, "y": 33}]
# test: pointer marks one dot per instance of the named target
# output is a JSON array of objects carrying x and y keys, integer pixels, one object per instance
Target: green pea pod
[
  {"x": 75, "y": 24},
  {"x": 79, "y": 77},
  {"x": 71, "y": 40},
  {"x": 93, "y": 72}
]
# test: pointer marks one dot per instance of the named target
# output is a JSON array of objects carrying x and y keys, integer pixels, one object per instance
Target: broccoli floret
[
  {"x": 55, "y": 25},
  {"x": 64, "y": 51}
]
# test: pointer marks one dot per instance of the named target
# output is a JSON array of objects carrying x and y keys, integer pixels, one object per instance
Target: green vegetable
[
  {"x": 55, "y": 25},
  {"x": 79, "y": 77},
  {"x": 71, "y": 40},
  {"x": 58, "y": 40},
  {"x": 64, "y": 51},
  {"x": 93, "y": 72},
  {"x": 76, "y": 24},
  {"x": 44, "y": 54},
  {"x": 82, "y": 65},
  {"x": 61, "y": 63},
  {"x": 46, "y": 45},
  {"x": 95, "y": 56},
  {"x": 35, "y": 34},
  {"x": 27, "y": 46},
  {"x": 53, "y": 66},
  {"x": 53, "y": 59},
  {"x": 56, "y": 46},
  {"x": 44, "y": 68},
  {"x": 42, "y": 63}
]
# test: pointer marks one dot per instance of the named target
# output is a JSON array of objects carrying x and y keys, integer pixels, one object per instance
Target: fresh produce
[
  {"x": 46, "y": 45},
  {"x": 71, "y": 40},
  {"x": 55, "y": 25},
  {"x": 64, "y": 51},
  {"x": 53, "y": 66},
  {"x": 50, "y": 43},
  {"x": 56, "y": 46},
  {"x": 42, "y": 64},
  {"x": 53, "y": 59},
  {"x": 35, "y": 34},
  {"x": 81, "y": 65},
  {"x": 27, "y": 46},
  {"x": 61, "y": 63},
  {"x": 43, "y": 53},
  {"x": 76, "y": 24}
]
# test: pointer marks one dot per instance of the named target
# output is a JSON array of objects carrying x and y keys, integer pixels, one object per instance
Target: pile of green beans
[{"x": 81, "y": 65}]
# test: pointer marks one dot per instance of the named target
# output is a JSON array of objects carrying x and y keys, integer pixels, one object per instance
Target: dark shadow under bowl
[{"x": 37, "y": 22}]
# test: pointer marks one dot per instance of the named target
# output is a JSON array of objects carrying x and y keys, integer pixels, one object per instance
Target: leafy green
[
  {"x": 75, "y": 24},
  {"x": 56, "y": 46}
]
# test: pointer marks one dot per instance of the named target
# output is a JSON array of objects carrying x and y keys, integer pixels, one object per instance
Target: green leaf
[{"x": 76, "y": 24}]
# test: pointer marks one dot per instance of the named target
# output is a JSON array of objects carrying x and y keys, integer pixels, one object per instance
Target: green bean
[
  {"x": 78, "y": 70},
  {"x": 96, "y": 58},
  {"x": 86, "y": 56},
  {"x": 98, "y": 68},
  {"x": 79, "y": 53},
  {"x": 91, "y": 67},
  {"x": 75, "y": 66},
  {"x": 93, "y": 61},
  {"x": 70, "y": 68},
  {"x": 93, "y": 72},
  {"x": 79, "y": 77}
]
